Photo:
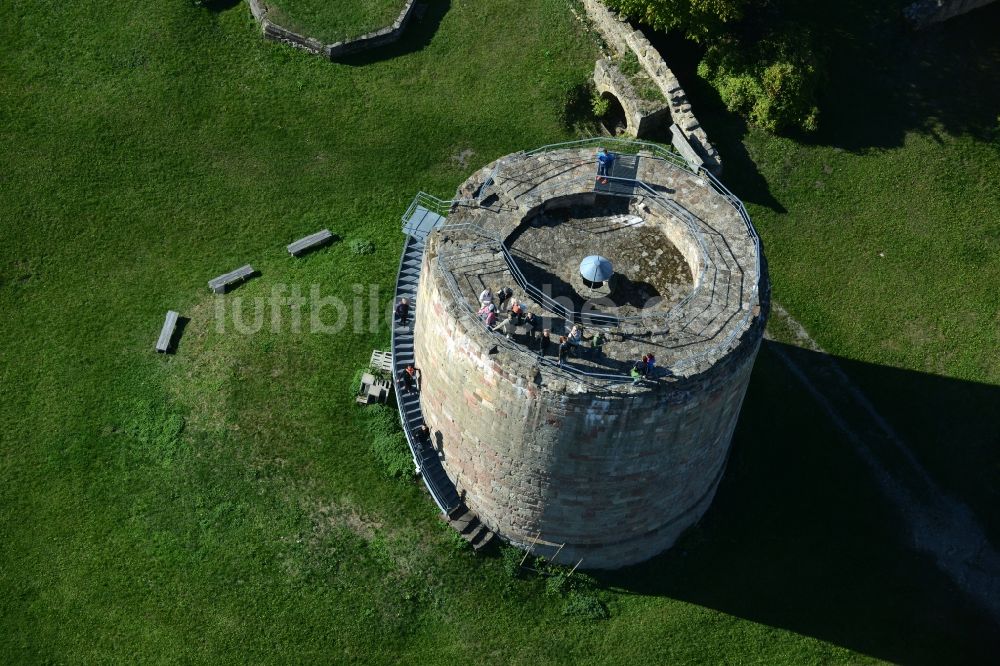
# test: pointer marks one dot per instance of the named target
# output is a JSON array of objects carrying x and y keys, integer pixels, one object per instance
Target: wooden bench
[
  {"x": 221, "y": 283},
  {"x": 309, "y": 242},
  {"x": 167, "y": 332}
]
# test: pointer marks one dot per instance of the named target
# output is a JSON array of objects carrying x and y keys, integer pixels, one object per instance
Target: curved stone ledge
[
  {"x": 717, "y": 310},
  {"x": 373, "y": 39}
]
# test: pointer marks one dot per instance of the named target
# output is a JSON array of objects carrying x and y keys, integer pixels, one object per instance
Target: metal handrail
[
  {"x": 444, "y": 207},
  {"x": 634, "y": 146},
  {"x": 418, "y": 458},
  {"x": 670, "y": 207},
  {"x": 607, "y": 379}
]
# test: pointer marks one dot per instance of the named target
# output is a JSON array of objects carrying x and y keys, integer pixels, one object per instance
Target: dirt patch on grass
[
  {"x": 462, "y": 157},
  {"x": 328, "y": 516}
]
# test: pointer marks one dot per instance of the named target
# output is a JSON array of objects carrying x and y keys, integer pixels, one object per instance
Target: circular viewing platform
[{"x": 687, "y": 274}]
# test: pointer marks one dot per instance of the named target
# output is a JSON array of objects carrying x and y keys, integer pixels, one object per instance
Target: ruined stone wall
[
  {"x": 641, "y": 116},
  {"x": 615, "y": 475},
  {"x": 623, "y": 38}
]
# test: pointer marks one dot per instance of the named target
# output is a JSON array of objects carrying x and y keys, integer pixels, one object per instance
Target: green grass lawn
[
  {"x": 222, "y": 504},
  {"x": 334, "y": 21}
]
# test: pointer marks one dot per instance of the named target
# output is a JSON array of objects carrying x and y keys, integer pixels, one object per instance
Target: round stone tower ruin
[{"x": 581, "y": 458}]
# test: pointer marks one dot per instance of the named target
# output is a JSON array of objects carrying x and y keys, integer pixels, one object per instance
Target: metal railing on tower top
[{"x": 444, "y": 207}]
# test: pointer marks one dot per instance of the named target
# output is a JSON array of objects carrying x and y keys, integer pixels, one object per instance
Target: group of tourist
[
  {"x": 643, "y": 368},
  {"x": 517, "y": 315},
  {"x": 492, "y": 306},
  {"x": 503, "y": 302},
  {"x": 409, "y": 377}
]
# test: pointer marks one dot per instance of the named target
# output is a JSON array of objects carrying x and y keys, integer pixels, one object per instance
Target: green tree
[
  {"x": 773, "y": 84},
  {"x": 764, "y": 64},
  {"x": 697, "y": 19}
]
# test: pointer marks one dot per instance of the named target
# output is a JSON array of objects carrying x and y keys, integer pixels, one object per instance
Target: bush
[
  {"x": 585, "y": 606},
  {"x": 774, "y": 84},
  {"x": 392, "y": 451},
  {"x": 388, "y": 443},
  {"x": 600, "y": 104},
  {"x": 510, "y": 560},
  {"x": 629, "y": 64},
  {"x": 362, "y": 246},
  {"x": 697, "y": 19},
  {"x": 557, "y": 584},
  {"x": 382, "y": 420}
]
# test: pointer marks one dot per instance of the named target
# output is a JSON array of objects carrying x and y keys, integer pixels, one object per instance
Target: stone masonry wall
[
  {"x": 640, "y": 116},
  {"x": 623, "y": 38},
  {"x": 615, "y": 476},
  {"x": 379, "y": 37}
]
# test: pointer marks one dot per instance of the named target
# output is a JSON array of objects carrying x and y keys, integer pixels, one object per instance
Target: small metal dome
[{"x": 596, "y": 268}]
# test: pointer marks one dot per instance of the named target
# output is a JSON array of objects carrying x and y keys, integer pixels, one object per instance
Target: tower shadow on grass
[
  {"x": 724, "y": 129},
  {"x": 800, "y": 536},
  {"x": 418, "y": 33}
]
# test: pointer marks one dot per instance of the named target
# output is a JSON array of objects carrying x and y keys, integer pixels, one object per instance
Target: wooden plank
[
  {"x": 381, "y": 360},
  {"x": 167, "y": 332},
  {"x": 528, "y": 552}
]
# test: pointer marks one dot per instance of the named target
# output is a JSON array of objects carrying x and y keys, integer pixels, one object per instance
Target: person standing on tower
[
  {"x": 604, "y": 161},
  {"x": 543, "y": 342},
  {"x": 563, "y": 349}
]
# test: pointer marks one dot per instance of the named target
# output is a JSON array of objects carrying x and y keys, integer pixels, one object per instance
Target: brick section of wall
[{"x": 616, "y": 476}]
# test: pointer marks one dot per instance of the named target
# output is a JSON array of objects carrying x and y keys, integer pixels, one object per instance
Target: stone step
[
  {"x": 465, "y": 522},
  {"x": 485, "y": 538},
  {"x": 475, "y": 533}
]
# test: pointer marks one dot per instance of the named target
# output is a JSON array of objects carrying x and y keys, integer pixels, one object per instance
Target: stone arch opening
[{"x": 615, "y": 120}]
